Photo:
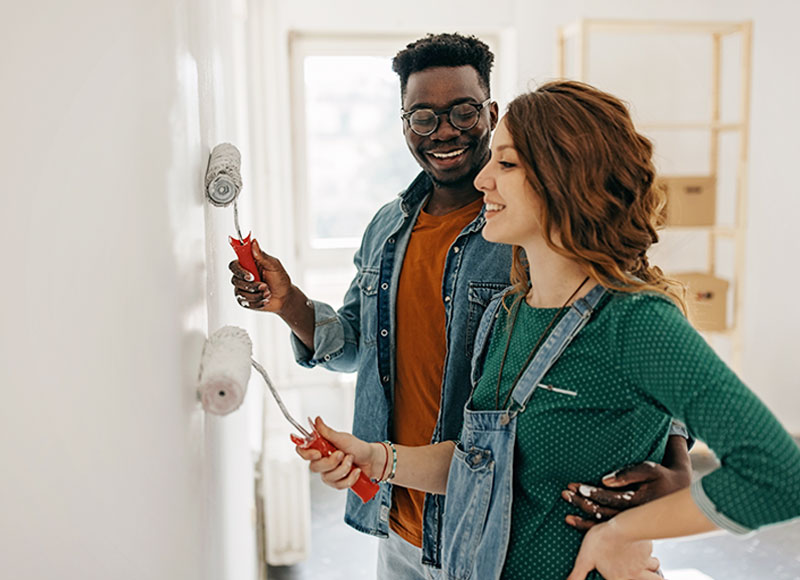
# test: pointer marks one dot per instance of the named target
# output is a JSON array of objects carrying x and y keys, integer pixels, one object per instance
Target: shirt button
[
  {"x": 385, "y": 379},
  {"x": 384, "y": 332},
  {"x": 447, "y": 299},
  {"x": 384, "y": 286},
  {"x": 455, "y": 250},
  {"x": 369, "y": 287},
  {"x": 391, "y": 240},
  {"x": 327, "y": 357}
]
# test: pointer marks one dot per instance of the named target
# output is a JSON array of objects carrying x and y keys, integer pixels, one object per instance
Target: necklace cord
[{"x": 533, "y": 350}]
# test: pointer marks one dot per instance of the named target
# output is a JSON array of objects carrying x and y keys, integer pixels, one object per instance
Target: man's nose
[{"x": 444, "y": 130}]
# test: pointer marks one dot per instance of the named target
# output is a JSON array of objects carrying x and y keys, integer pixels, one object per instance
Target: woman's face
[{"x": 512, "y": 206}]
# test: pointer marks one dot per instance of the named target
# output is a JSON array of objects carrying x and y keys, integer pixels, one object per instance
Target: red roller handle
[
  {"x": 364, "y": 487},
  {"x": 245, "y": 255}
]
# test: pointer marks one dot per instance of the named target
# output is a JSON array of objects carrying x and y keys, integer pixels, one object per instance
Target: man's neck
[{"x": 445, "y": 199}]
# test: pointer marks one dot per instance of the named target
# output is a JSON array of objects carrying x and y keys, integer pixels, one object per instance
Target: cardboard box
[
  {"x": 691, "y": 200},
  {"x": 706, "y": 299}
]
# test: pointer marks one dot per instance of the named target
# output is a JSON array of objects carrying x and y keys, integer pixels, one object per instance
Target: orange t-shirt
[{"x": 421, "y": 348}]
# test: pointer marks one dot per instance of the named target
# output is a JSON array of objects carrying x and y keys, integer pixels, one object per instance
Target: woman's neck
[{"x": 553, "y": 277}]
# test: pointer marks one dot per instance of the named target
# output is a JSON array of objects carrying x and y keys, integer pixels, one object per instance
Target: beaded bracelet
[{"x": 394, "y": 461}]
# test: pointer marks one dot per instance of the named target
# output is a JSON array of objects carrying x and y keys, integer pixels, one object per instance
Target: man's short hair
[{"x": 444, "y": 50}]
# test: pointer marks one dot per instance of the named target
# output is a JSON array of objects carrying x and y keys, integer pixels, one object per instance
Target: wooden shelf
[
  {"x": 699, "y": 125},
  {"x": 653, "y": 27},
  {"x": 579, "y": 36}
]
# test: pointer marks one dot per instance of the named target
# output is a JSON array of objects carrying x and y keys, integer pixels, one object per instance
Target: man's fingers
[
  {"x": 592, "y": 510},
  {"x": 580, "y": 524},
  {"x": 245, "y": 286},
  {"x": 239, "y": 271},
  {"x": 256, "y": 296},
  {"x": 653, "y": 564},
  {"x": 632, "y": 474},
  {"x": 265, "y": 261},
  {"x": 614, "y": 499}
]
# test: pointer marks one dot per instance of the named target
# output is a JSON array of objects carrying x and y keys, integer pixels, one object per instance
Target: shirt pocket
[
  {"x": 479, "y": 294},
  {"x": 368, "y": 280}
]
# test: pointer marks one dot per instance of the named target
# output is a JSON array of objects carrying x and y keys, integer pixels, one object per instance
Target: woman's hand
[
  {"x": 335, "y": 470},
  {"x": 608, "y": 551}
]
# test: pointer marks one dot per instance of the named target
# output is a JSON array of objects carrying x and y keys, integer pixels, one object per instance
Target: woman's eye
[{"x": 506, "y": 164}]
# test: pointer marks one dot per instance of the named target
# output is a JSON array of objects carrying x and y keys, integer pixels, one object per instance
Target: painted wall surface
[{"x": 109, "y": 468}]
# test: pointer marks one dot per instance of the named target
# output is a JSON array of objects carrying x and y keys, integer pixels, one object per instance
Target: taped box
[
  {"x": 706, "y": 299},
  {"x": 691, "y": 200}
]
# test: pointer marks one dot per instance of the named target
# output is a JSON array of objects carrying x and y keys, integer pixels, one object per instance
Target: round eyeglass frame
[{"x": 406, "y": 116}]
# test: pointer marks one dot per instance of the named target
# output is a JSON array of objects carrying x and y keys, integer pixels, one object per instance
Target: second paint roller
[{"x": 224, "y": 373}]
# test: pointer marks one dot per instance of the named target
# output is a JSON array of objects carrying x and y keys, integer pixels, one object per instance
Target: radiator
[{"x": 286, "y": 508}]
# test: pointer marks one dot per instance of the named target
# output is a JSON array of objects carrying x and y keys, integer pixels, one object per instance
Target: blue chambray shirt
[{"x": 360, "y": 337}]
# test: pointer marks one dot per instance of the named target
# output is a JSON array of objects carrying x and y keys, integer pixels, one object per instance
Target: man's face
[{"x": 450, "y": 156}]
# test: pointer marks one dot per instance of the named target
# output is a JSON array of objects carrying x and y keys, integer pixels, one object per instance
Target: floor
[{"x": 340, "y": 553}]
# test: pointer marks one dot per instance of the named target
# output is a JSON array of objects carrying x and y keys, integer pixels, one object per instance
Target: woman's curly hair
[{"x": 595, "y": 176}]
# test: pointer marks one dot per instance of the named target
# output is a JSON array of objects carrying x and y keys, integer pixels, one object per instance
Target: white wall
[{"x": 109, "y": 468}]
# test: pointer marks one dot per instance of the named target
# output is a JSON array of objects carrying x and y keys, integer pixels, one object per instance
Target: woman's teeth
[{"x": 494, "y": 207}]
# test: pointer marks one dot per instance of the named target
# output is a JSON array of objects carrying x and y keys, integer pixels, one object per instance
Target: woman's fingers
[{"x": 338, "y": 476}]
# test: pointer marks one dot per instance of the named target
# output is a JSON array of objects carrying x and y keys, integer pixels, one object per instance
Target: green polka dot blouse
[{"x": 636, "y": 364}]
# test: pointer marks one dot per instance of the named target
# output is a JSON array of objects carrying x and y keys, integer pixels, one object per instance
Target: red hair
[{"x": 595, "y": 176}]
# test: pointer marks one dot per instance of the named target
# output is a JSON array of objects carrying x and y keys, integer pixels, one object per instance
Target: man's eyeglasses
[{"x": 463, "y": 116}]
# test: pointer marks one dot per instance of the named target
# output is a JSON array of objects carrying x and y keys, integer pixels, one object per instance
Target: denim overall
[{"x": 477, "y": 518}]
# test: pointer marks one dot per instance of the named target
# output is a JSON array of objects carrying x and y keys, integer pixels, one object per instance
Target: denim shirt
[{"x": 360, "y": 337}]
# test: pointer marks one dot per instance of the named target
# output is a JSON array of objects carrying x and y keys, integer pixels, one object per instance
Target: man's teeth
[
  {"x": 494, "y": 207},
  {"x": 448, "y": 154}
]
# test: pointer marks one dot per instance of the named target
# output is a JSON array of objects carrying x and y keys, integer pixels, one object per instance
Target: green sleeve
[{"x": 673, "y": 367}]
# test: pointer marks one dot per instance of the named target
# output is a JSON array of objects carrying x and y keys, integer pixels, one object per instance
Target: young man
[{"x": 425, "y": 275}]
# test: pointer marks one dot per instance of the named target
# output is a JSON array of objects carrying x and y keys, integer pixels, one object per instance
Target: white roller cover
[
  {"x": 223, "y": 177},
  {"x": 225, "y": 370}
]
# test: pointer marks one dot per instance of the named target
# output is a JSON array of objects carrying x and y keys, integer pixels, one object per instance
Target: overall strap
[
  {"x": 481, "y": 343},
  {"x": 567, "y": 329}
]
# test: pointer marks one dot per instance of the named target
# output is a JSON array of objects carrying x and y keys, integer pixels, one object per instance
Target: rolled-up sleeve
[
  {"x": 336, "y": 333},
  {"x": 758, "y": 481}
]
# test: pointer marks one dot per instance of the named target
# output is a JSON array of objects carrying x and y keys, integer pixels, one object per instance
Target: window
[{"x": 349, "y": 154}]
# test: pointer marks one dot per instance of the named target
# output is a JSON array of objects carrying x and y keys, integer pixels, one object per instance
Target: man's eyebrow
[{"x": 423, "y": 105}]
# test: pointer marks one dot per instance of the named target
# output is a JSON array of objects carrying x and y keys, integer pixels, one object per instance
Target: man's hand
[
  {"x": 630, "y": 486},
  {"x": 269, "y": 295}
]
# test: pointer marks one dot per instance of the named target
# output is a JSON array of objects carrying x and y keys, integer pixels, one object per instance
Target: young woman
[{"x": 579, "y": 366}]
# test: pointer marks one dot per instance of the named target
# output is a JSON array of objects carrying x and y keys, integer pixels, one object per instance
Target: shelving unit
[{"x": 577, "y": 48}]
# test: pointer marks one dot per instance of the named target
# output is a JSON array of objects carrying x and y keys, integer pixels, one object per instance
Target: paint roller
[
  {"x": 223, "y": 184},
  {"x": 225, "y": 370},
  {"x": 224, "y": 374}
]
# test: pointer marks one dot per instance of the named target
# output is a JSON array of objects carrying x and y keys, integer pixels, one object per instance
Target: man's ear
[{"x": 494, "y": 115}]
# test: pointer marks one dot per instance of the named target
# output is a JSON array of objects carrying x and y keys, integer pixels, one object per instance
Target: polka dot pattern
[{"x": 635, "y": 364}]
